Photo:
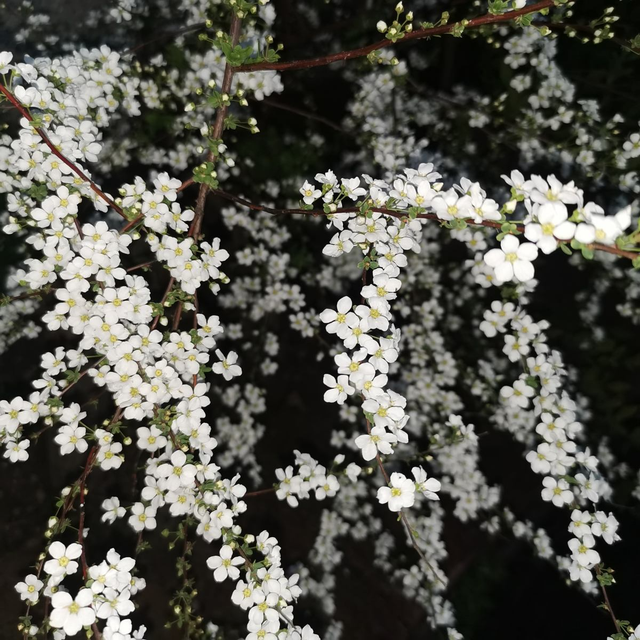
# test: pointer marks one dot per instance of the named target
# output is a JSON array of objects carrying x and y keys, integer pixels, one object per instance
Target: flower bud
[
  {"x": 381, "y": 26},
  {"x": 510, "y": 206},
  {"x": 399, "y": 7}
]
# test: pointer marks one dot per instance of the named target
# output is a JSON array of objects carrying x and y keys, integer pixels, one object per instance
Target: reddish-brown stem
[
  {"x": 154, "y": 324},
  {"x": 187, "y": 183},
  {"x": 608, "y": 603},
  {"x": 94, "y": 187},
  {"x": 216, "y": 130},
  {"x": 251, "y": 494},
  {"x": 83, "y": 481},
  {"x": 131, "y": 224},
  {"x": 398, "y": 214},
  {"x": 141, "y": 266},
  {"x": 177, "y": 316},
  {"x": 82, "y": 375},
  {"x": 418, "y": 34}
]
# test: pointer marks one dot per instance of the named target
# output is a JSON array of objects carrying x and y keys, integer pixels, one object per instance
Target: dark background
[{"x": 499, "y": 589}]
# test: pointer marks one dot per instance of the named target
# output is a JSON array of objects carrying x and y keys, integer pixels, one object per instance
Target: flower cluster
[
  {"x": 400, "y": 342},
  {"x": 104, "y": 596}
]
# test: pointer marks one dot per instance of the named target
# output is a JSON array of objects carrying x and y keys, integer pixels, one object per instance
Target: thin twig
[
  {"x": 414, "y": 35},
  {"x": 45, "y": 138},
  {"x": 631, "y": 255},
  {"x": 216, "y": 130},
  {"x": 608, "y": 604}
]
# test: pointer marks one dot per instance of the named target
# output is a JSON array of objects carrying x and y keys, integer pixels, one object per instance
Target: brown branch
[
  {"x": 259, "y": 493},
  {"x": 83, "y": 481},
  {"x": 414, "y": 35},
  {"x": 154, "y": 324},
  {"x": 141, "y": 266},
  {"x": 94, "y": 187},
  {"x": 631, "y": 255},
  {"x": 187, "y": 183},
  {"x": 216, "y": 130},
  {"x": 131, "y": 224},
  {"x": 607, "y": 603}
]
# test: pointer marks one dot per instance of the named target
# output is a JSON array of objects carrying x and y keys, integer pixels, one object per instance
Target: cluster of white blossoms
[
  {"x": 547, "y": 222},
  {"x": 189, "y": 263},
  {"x": 535, "y": 409},
  {"x": 310, "y": 476},
  {"x": 378, "y": 206},
  {"x": 104, "y": 596},
  {"x": 72, "y": 100},
  {"x": 152, "y": 375},
  {"x": 155, "y": 375},
  {"x": 367, "y": 329}
]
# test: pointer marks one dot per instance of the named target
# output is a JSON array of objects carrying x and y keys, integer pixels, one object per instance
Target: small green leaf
[{"x": 565, "y": 248}]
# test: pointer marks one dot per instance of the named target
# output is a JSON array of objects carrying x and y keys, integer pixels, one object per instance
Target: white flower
[
  {"x": 400, "y": 494},
  {"x": 29, "y": 590},
  {"x": 557, "y": 492},
  {"x": 5, "y": 61},
  {"x": 512, "y": 260},
  {"x": 112, "y": 509},
  {"x": 70, "y": 614},
  {"x": 552, "y": 225},
  {"x": 177, "y": 473},
  {"x": 227, "y": 367},
  {"x": 63, "y": 559},
  {"x": 606, "y": 526},
  {"x": 142, "y": 517},
  {"x": 427, "y": 487},
  {"x": 541, "y": 458},
  {"x": 339, "y": 321},
  {"x": 582, "y": 551},
  {"x": 328, "y": 488},
  {"x": 309, "y": 193},
  {"x": 377, "y": 440},
  {"x": 338, "y": 389},
  {"x": 580, "y": 523},
  {"x": 604, "y": 229},
  {"x": 71, "y": 438},
  {"x": 225, "y": 566}
]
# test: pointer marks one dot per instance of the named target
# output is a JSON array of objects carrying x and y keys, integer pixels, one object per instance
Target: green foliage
[{"x": 206, "y": 173}]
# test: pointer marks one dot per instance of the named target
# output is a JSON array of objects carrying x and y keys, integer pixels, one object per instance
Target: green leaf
[
  {"x": 587, "y": 253},
  {"x": 497, "y": 7},
  {"x": 206, "y": 174},
  {"x": 38, "y": 191},
  {"x": 565, "y": 248}
]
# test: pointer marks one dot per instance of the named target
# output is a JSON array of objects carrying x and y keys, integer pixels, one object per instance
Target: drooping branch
[
  {"x": 45, "y": 138},
  {"x": 418, "y": 34},
  {"x": 631, "y": 255}
]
